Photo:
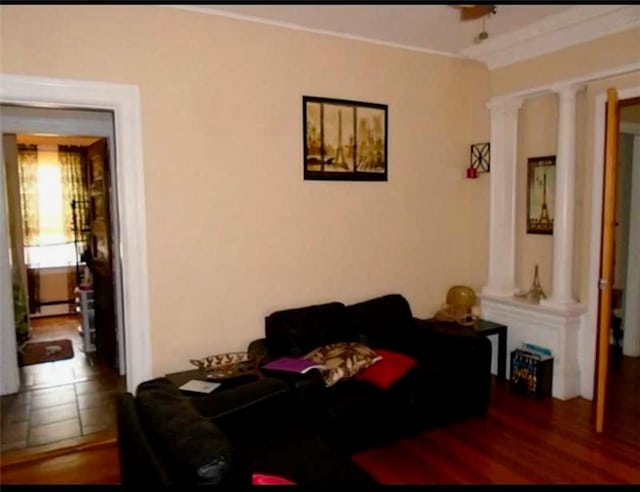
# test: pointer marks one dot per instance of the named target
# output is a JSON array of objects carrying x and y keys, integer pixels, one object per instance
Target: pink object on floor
[{"x": 261, "y": 479}]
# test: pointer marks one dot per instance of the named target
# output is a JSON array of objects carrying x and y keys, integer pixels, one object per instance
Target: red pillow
[
  {"x": 261, "y": 479},
  {"x": 387, "y": 371}
]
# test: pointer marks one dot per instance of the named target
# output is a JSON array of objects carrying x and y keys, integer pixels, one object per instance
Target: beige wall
[{"x": 234, "y": 232}]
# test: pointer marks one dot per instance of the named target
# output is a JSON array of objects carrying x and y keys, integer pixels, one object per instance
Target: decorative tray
[{"x": 229, "y": 365}]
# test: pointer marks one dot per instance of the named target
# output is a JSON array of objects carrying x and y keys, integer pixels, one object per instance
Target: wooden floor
[
  {"x": 520, "y": 441},
  {"x": 84, "y": 460}
]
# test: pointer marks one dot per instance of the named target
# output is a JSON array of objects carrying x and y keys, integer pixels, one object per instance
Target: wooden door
[
  {"x": 607, "y": 252},
  {"x": 102, "y": 254}
]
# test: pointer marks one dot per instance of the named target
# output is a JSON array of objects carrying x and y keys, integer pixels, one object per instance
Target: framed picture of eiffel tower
[
  {"x": 541, "y": 186},
  {"x": 344, "y": 140}
]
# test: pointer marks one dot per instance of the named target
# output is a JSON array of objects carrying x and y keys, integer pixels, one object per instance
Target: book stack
[{"x": 532, "y": 370}]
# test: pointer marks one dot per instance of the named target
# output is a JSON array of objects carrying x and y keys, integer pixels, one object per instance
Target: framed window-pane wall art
[{"x": 344, "y": 140}]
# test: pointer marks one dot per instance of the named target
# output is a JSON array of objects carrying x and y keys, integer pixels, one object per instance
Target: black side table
[{"x": 481, "y": 327}]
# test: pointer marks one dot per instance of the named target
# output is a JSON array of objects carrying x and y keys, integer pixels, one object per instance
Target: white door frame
[{"x": 124, "y": 101}]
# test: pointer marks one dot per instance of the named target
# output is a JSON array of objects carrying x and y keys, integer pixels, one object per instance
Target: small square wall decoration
[
  {"x": 480, "y": 159},
  {"x": 344, "y": 140}
]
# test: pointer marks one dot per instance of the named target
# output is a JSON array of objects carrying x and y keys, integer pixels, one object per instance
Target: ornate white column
[
  {"x": 502, "y": 217},
  {"x": 563, "y": 215}
]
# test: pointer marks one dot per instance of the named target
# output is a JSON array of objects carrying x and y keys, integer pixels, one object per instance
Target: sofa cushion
[
  {"x": 192, "y": 447},
  {"x": 297, "y": 331},
  {"x": 342, "y": 360},
  {"x": 381, "y": 322},
  {"x": 387, "y": 371}
]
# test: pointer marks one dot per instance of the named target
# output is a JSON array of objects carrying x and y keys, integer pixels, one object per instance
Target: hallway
[{"x": 59, "y": 400}]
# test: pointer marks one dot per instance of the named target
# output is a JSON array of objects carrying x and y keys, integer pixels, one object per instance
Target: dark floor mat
[{"x": 38, "y": 352}]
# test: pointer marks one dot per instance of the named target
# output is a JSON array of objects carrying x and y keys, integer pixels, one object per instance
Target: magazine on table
[
  {"x": 199, "y": 386},
  {"x": 536, "y": 351}
]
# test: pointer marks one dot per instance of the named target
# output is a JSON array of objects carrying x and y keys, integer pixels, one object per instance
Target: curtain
[
  {"x": 74, "y": 190},
  {"x": 28, "y": 175},
  {"x": 29, "y": 208}
]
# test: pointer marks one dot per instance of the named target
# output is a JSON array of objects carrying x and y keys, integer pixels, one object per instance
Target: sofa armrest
[
  {"x": 140, "y": 464},
  {"x": 193, "y": 449}
]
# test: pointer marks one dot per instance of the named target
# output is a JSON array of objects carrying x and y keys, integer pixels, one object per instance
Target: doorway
[
  {"x": 618, "y": 361},
  {"x": 123, "y": 102},
  {"x": 622, "y": 400},
  {"x": 60, "y": 221},
  {"x": 56, "y": 172}
]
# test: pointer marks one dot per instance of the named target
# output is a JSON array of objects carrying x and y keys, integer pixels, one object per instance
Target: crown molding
[
  {"x": 557, "y": 86},
  {"x": 573, "y": 26},
  {"x": 211, "y": 10}
]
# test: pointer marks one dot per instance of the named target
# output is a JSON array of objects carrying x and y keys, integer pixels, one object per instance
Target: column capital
[
  {"x": 567, "y": 90},
  {"x": 505, "y": 105}
]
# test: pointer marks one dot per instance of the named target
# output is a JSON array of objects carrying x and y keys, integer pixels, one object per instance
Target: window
[{"x": 48, "y": 237}]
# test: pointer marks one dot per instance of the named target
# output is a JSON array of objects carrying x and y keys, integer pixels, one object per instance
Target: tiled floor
[{"x": 59, "y": 400}]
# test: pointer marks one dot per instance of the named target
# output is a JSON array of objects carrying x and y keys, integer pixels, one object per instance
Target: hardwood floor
[
  {"x": 83, "y": 460},
  {"x": 622, "y": 408},
  {"x": 526, "y": 441},
  {"x": 520, "y": 441}
]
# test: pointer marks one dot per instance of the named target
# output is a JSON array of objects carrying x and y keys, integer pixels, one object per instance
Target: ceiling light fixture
[{"x": 484, "y": 34}]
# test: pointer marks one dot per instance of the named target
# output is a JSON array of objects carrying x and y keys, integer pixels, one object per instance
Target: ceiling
[{"x": 423, "y": 27}]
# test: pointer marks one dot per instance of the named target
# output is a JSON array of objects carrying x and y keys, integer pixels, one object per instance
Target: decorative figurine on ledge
[
  {"x": 535, "y": 292},
  {"x": 460, "y": 306}
]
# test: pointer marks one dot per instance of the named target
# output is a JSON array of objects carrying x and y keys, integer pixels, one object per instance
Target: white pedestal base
[{"x": 555, "y": 328}]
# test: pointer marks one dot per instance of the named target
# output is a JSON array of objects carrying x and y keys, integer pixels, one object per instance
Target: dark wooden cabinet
[{"x": 101, "y": 252}]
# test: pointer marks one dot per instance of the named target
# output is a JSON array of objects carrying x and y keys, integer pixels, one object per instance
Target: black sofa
[
  {"x": 168, "y": 438},
  {"x": 451, "y": 382}
]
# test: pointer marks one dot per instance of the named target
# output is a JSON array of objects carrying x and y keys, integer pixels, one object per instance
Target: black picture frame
[
  {"x": 541, "y": 185},
  {"x": 344, "y": 140},
  {"x": 481, "y": 157}
]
